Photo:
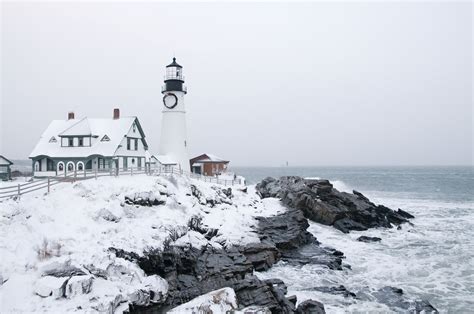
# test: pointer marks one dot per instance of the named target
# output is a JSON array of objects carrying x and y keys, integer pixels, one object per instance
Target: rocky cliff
[{"x": 322, "y": 203}]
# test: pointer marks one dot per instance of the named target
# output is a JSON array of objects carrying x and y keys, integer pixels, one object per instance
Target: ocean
[{"x": 431, "y": 260}]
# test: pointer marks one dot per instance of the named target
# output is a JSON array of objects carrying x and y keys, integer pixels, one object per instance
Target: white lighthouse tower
[{"x": 173, "y": 142}]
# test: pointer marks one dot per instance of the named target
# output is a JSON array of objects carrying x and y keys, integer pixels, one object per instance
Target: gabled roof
[
  {"x": 164, "y": 159},
  {"x": 208, "y": 158},
  {"x": 115, "y": 129},
  {"x": 4, "y": 161}
]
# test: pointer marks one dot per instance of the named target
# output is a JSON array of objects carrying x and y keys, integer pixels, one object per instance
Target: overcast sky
[{"x": 308, "y": 83}]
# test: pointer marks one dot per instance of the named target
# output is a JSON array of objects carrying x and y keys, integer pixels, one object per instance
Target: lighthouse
[{"x": 173, "y": 142}]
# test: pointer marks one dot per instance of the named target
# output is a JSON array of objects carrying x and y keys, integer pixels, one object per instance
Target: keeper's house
[
  {"x": 208, "y": 165},
  {"x": 74, "y": 145},
  {"x": 5, "y": 169}
]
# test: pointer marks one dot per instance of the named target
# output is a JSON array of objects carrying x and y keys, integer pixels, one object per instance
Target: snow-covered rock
[
  {"x": 78, "y": 285},
  {"x": 107, "y": 215},
  {"x": 218, "y": 301},
  {"x": 51, "y": 286},
  {"x": 67, "y": 233}
]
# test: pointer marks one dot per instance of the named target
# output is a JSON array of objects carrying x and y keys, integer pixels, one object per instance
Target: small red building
[{"x": 208, "y": 165}]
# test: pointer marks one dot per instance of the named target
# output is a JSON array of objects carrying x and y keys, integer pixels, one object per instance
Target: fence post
[
  {"x": 95, "y": 174},
  {"x": 131, "y": 171},
  {"x": 48, "y": 185},
  {"x": 19, "y": 190}
]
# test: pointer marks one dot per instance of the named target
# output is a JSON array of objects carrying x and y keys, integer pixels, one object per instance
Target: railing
[{"x": 46, "y": 184}]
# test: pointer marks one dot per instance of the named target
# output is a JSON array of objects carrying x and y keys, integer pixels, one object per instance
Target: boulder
[
  {"x": 145, "y": 199},
  {"x": 109, "y": 306},
  {"x": 107, "y": 215},
  {"x": 338, "y": 290},
  {"x": 51, "y": 286},
  {"x": 77, "y": 285},
  {"x": 394, "y": 297},
  {"x": 218, "y": 301},
  {"x": 310, "y": 307},
  {"x": 139, "y": 297},
  {"x": 322, "y": 203},
  {"x": 261, "y": 255},
  {"x": 62, "y": 269},
  {"x": 368, "y": 239}
]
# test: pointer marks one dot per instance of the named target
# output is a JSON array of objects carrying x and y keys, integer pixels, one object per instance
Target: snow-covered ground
[{"x": 72, "y": 228}]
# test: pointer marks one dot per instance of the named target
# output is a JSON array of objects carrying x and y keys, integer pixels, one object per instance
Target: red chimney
[
  {"x": 116, "y": 113},
  {"x": 70, "y": 115}
]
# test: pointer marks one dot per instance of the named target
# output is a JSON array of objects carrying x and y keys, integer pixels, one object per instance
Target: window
[
  {"x": 61, "y": 166},
  {"x": 71, "y": 141},
  {"x": 134, "y": 128},
  {"x": 128, "y": 143},
  {"x": 80, "y": 166},
  {"x": 125, "y": 163},
  {"x": 52, "y": 140},
  {"x": 70, "y": 167},
  {"x": 81, "y": 141},
  {"x": 136, "y": 144},
  {"x": 105, "y": 138},
  {"x": 133, "y": 161}
]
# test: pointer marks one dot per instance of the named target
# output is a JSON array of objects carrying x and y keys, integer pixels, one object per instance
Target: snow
[
  {"x": 115, "y": 129},
  {"x": 76, "y": 224},
  {"x": 218, "y": 301}
]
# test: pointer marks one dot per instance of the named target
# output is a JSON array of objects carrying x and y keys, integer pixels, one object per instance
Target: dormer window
[
  {"x": 81, "y": 141},
  {"x": 52, "y": 140},
  {"x": 71, "y": 142},
  {"x": 134, "y": 128},
  {"x": 105, "y": 138}
]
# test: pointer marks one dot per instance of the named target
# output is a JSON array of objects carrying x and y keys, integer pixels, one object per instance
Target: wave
[{"x": 337, "y": 184}]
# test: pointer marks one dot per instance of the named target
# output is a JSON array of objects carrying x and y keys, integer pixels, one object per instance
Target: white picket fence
[{"x": 15, "y": 191}]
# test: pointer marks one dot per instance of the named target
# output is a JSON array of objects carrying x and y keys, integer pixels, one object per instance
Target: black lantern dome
[
  {"x": 174, "y": 78},
  {"x": 174, "y": 64}
]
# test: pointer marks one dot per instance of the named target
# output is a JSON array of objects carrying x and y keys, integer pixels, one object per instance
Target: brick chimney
[
  {"x": 116, "y": 113},
  {"x": 70, "y": 115}
]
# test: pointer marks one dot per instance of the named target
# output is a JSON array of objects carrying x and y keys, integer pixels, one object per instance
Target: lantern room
[{"x": 174, "y": 78}]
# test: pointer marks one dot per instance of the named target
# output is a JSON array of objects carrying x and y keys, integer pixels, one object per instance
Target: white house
[
  {"x": 5, "y": 168},
  {"x": 75, "y": 145}
]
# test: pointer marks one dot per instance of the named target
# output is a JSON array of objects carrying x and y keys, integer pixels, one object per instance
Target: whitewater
[{"x": 432, "y": 260}]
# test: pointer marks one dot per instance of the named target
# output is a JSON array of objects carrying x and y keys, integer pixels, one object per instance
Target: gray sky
[{"x": 309, "y": 83}]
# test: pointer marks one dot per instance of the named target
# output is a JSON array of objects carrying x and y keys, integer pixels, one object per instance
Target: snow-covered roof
[
  {"x": 165, "y": 159},
  {"x": 49, "y": 143},
  {"x": 4, "y": 161},
  {"x": 208, "y": 158},
  {"x": 81, "y": 128}
]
